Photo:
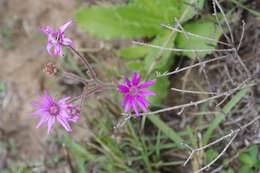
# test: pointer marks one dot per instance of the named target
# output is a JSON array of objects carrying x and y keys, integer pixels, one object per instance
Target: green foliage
[
  {"x": 170, "y": 133},
  {"x": 221, "y": 116},
  {"x": 142, "y": 18},
  {"x": 204, "y": 28},
  {"x": 249, "y": 160},
  {"x": 211, "y": 154},
  {"x": 133, "y": 52}
]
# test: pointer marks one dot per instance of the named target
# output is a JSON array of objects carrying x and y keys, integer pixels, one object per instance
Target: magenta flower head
[
  {"x": 135, "y": 94},
  {"x": 57, "y": 39},
  {"x": 51, "y": 111}
]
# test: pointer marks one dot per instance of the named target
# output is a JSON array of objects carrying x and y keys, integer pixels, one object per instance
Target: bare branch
[
  {"x": 194, "y": 35},
  {"x": 183, "y": 50}
]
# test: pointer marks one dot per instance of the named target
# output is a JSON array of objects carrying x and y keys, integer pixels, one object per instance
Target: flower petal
[
  {"x": 51, "y": 121},
  {"x": 47, "y": 30},
  {"x": 64, "y": 100},
  {"x": 147, "y": 84},
  {"x": 50, "y": 49},
  {"x": 127, "y": 103},
  {"x": 136, "y": 78},
  {"x": 58, "y": 50},
  {"x": 64, "y": 123},
  {"x": 128, "y": 83},
  {"x": 63, "y": 27},
  {"x": 135, "y": 107},
  {"x": 67, "y": 42},
  {"x": 147, "y": 93},
  {"x": 143, "y": 103},
  {"x": 43, "y": 120},
  {"x": 123, "y": 89}
]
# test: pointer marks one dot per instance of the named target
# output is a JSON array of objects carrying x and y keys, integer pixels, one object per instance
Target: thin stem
[
  {"x": 85, "y": 62},
  {"x": 194, "y": 35},
  {"x": 192, "y": 66},
  {"x": 193, "y": 92},
  {"x": 183, "y": 50}
]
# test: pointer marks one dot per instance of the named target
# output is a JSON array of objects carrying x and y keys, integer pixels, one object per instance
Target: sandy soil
[{"x": 20, "y": 69}]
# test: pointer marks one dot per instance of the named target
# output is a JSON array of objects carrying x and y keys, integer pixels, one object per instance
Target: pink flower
[
  {"x": 135, "y": 94},
  {"x": 74, "y": 112},
  {"x": 51, "y": 110},
  {"x": 56, "y": 39}
]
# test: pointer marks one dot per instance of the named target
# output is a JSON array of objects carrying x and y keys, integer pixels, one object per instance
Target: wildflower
[
  {"x": 135, "y": 94},
  {"x": 56, "y": 39},
  {"x": 73, "y": 112},
  {"x": 51, "y": 110}
]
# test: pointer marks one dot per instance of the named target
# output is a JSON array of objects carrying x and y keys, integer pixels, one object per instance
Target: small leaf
[
  {"x": 211, "y": 155},
  {"x": 135, "y": 65},
  {"x": 133, "y": 52},
  {"x": 247, "y": 159},
  {"x": 203, "y": 28}
]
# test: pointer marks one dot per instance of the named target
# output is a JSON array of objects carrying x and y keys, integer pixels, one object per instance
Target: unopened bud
[{"x": 50, "y": 68}]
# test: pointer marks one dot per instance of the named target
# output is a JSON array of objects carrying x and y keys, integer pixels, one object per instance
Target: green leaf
[
  {"x": 135, "y": 65},
  {"x": 161, "y": 87},
  {"x": 169, "y": 132},
  {"x": 229, "y": 171},
  {"x": 122, "y": 21},
  {"x": 204, "y": 28},
  {"x": 211, "y": 155},
  {"x": 253, "y": 151},
  {"x": 247, "y": 159},
  {"x": 246, "y": 169},
  {"x": 133, "y": 52},
  {"x": 158, "y": 59},
  {"x": 167, "y": 9},
  {"x": 190, "y": 8}
]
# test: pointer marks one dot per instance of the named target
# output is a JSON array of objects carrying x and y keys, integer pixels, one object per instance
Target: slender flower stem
[{"x": 85, "y": 62}]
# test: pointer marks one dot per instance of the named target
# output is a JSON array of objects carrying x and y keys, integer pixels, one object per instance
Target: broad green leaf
[
  {"x": 190, "y": 8},
  {"x": 169, "y": 132},
  {"x": 247, "y": 159},
  {"x": 161, "y": 87},
  {"x": 204, "y": 28},
  {"x": 122, "y": 21},
  {"x": 135, "y": 65},
  {"x": 167, "y": 9},
  {"x": 158, "y": 59},
  {"x": 133, "y": 52}
]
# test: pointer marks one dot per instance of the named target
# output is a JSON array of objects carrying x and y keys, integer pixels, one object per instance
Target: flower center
[
  {"x": 134, "y": 91},
  {"x": 58, "y": 38},
  {"x": 54, "y": 110}
]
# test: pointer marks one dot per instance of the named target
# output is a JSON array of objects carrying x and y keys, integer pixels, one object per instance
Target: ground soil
[{"x": 21, "y": 68}]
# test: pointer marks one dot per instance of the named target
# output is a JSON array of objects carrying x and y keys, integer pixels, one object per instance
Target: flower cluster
[
  {"x": 64, "y": 111},
  {"x": 51, "y": 110}
]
